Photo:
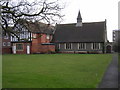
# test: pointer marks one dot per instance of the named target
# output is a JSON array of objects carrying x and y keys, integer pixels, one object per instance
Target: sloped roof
[
  {"x": 39, "y": 27},
  {"x": 89, "y": 32}
]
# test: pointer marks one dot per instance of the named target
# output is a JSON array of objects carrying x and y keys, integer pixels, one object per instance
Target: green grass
[{"x": 54, "y": 70}]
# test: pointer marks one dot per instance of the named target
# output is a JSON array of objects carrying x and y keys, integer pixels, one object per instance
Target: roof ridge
[
  {"x": 94, "y": 22},
  {"x": 83, "y": 23},
  {"x": 66, "y": 23}
]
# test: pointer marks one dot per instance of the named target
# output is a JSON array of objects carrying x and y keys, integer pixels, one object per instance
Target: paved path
[{"x": 110, "y": 78}]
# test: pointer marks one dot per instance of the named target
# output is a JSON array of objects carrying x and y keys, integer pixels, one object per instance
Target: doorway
[{"x": 108, "y": 49}]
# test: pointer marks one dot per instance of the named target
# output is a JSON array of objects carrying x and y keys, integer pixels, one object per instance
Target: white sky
[{"x": 92, "y": 11}]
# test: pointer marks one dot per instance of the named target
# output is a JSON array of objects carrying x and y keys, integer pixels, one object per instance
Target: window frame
[
  {"x": 19, "y": 49},
  {"x": 8, "y": 44},
  {"x": 6, "y": 37},
  {"x": 81, "y": 46},
  {"x": 59, "y": 46},
  {"x": 68, "y": 46},
  {"x": 34, "y": 35},
  {"x": 4, "y": 44},
  {"x": 95, "y": 46},
  {"x": 48, "y": 36}
]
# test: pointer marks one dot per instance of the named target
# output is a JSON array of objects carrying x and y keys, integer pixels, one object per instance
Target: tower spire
[
  {"x": 79, "y": 20},
  {"x": 79, "y": 16}
]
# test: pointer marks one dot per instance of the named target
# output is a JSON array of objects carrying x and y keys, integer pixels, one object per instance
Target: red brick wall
[
  {"x": 47, "y": 48},
  {"x": 44, "y": 39},
  {"x": 38, "y": 48},
  {"x": 52, "y": 48},
  {"x": 43, "y": 48},
  {"x": 41, "y": 38},
  {"x": 35, "y": 41},
  {"x": 35, "y": 48},
  {"x": 6, "y": 49}
]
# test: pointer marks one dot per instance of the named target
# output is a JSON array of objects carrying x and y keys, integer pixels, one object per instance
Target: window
[
  {"x": 6, "y": 37},
  {"x": 48, "y": 36},
  {"x": 19, "y": 46},
  {"x": 113, "y": 39},
  {"x": 113, "y": 35},
  {"x": 95, "y": 46},
  {"x": 68, "y": 45},
  {"x": 8, "y": 44},
  {"x": 4, "y": 43},
  {"x": 81, "y": 45},
  {"x": 58, "y": 46},
  {"x": 34, "y": 36}
]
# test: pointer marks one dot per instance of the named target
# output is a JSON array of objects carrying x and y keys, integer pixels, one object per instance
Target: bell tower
[{"x": 79, "y": 20}]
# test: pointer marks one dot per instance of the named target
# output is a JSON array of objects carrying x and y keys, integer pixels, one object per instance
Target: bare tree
[{"x": 15, "y": 12}]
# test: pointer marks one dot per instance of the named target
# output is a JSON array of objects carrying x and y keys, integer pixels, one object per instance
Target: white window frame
[
  {"x": 19, "y": 49},
  {"x": 8, "y": 44},
  {"x": 91, "y": 45},
  {"x": 81, "y": 46},
  {"x": 69, "y": 46},
  {"x": 59, "y": 46},
  {"x": 47, "y": 36},
  {"x": 6, "y": 37},
  {"x": 99, "y": 46},
  {"x": 4, "y": 43},
  {"x": 95, "y": 45},
  {"x": 34, "y": 35},
  {"x": 65, "y": 45}
]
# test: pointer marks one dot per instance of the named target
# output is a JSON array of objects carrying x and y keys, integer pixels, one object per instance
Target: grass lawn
[{"x": 54, "y": 70}]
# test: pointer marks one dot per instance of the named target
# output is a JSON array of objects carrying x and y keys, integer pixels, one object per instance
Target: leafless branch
[{"x": 43, "y": 10}]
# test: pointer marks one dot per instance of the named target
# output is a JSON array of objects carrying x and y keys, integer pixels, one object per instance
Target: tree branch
[{"x": 43, "y": 10}]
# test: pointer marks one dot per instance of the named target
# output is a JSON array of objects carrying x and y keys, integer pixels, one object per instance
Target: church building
[{"x": 81, "y": 37}]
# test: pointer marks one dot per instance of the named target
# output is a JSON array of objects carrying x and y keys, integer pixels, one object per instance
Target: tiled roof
[
  {"x": 38, "y": 27},
  {"x": 89, "y": 32}
]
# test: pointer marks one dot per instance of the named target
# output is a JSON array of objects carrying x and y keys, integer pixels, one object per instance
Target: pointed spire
[
  {"x": 79, "y": 16},
  {"x": 79, "y": 20}
]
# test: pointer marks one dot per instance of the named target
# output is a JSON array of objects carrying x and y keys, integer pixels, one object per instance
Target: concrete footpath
[{"x": 110, "y": 78}]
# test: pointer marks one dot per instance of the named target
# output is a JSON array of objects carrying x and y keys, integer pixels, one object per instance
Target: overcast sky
[{"x": 93, "y": 11}]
